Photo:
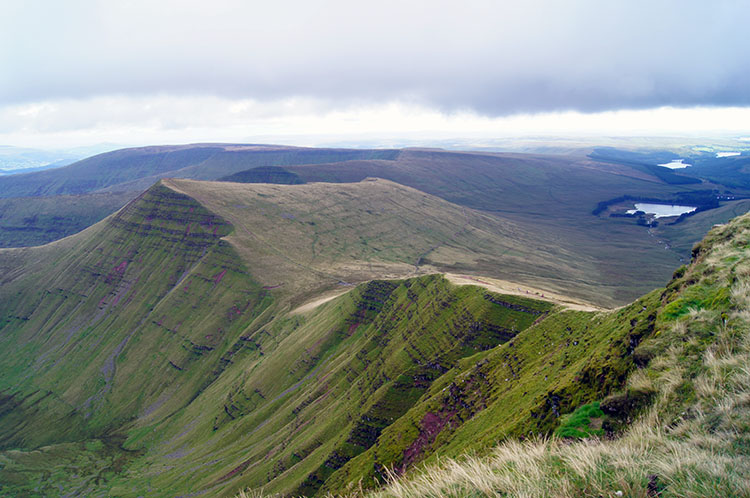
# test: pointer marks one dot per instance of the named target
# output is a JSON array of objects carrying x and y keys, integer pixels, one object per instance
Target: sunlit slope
[
  {"x": 116, "y": 321},
  {"x": 304, "y": 238}
]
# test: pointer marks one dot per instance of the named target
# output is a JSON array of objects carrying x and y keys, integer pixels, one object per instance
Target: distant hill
[
  {"x": 732, "y": 171},
  {"x": 307, "y": 237},
  {"x": 23, "y": 159},
  {"x": 264, "y": 174},
  {"x": 125, "y": 173},
  {"x": 139, "y": 168},
  {"x": 551, "y": 197}
]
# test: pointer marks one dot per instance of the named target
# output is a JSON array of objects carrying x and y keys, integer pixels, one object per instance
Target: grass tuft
[{"x": 582, "y": 423}]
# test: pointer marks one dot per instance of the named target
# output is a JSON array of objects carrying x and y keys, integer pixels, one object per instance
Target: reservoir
[{"x": 662, "y": 210}]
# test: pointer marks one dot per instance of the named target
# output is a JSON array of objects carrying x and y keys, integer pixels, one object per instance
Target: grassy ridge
[
  {"x": 517, "y": 389},
  {"x": 340, "y": 375},
  {"x": 680, "y": 420},
  {"x": 154, "y": 292},
  {"x": 551, "y": 197},
  {"x": 547, "y": 198},
  {"x": 305, "y": 238},
  {"x": 107, "y": 320},
  {"x": 163, "y": 356}
]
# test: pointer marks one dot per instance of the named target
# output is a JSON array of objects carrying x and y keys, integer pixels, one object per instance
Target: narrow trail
[
  {"x": 321, "y": 300},
  {"x": 505, "y": 287}
]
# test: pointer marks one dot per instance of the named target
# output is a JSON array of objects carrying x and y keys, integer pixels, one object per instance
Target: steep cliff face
[
  {"x": 516, "y": 389},
  {"x": 309, "y": 392},
  {"x": 138, "y": 310}
]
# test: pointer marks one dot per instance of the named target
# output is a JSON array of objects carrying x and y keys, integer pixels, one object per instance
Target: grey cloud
[{"x": 492, "y": 57}]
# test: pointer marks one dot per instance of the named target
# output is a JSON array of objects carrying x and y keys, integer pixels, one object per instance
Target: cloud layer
[{"x": 492, "y": 58}]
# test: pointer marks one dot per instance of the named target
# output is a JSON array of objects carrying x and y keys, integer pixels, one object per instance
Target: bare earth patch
[{"x": 329, "y": 296}]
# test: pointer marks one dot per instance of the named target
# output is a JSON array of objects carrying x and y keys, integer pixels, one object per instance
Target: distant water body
[
  {"x": 675, "y": 164},
  {"x": 662, "y": 210}
]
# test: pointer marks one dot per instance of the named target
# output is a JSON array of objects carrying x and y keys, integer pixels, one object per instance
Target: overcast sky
[{"x": 152, "y": 71}]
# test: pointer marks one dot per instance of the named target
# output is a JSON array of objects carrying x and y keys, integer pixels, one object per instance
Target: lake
[
  {"x": 662, "y": 210},
  {"x": 675, "y": 164}
]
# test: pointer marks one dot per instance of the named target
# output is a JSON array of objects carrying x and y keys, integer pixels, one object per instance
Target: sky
[{"x": 141, "y": 72}]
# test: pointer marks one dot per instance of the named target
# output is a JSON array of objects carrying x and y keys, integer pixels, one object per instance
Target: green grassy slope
[
  {"x": 517, "y": 389},
  {"x": 145, "y": 339},
  {"x": 148, "y": 354},
  {"x": 81, "y": 308},
  {"x": 160, "y": 353},
  {"x": 679, "y": 425},
  {"x": 323, "y": 388}
]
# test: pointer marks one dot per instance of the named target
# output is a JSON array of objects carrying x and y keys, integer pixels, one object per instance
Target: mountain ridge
[
  {"x": 551, "y": 198},
  {"x": 174, "y": 310}
]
